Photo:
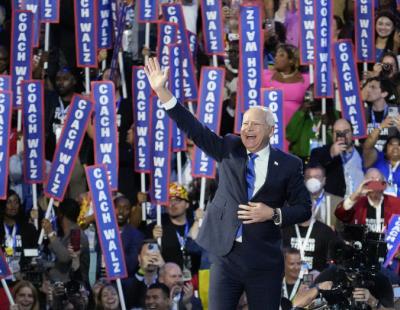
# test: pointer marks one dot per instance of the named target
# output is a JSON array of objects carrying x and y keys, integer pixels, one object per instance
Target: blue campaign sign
[
  {"x": 307, "y": 28},
  {"x": 85, "y": 33},
  {"x": 104, "y": 24},
  {"x": 392, "y": 239},
  {"x": 176, "y": 87},
  {"x": 5, "y": 128},
  {"x": 173, "y": 13},
  {"x": 211, "y": 11},
  {"x": 148, "y": 11},
  {"x": 273, "y": 100},
  {"x": 167, "y": 34},
  {"x": 161, "y": 141},
  {"x": 50, "y": 11},
  {"x": 107, "y": 225},
  {"x": 323, "y": 86},
  {"x": 68, "y": 146},
  {"x": 141, "y": 92},
  {"x": 364, "y": 29},
  {"x": 4, "y": 269},
  {"x": 33, "y": 128},
  {"x": 349, "y": 88},
  {"x": 21, "y": 52},
  {"x": 251, "y": 56},
  {"x": 34, "y": 7},
  {"x": 105, "y": 129},
  {"x": 5, "y": 82},
  {"x": 209, "y": 113}
]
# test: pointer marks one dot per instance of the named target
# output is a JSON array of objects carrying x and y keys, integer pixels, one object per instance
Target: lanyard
[
  {"x": 392, "y": 171},
  {"x": 10, "y": 237},
  {"x": 318, "y": 203},
  {"x": 182, "y": 239},
  {"x": 118, "y": 103},
  {"x": 373, "y": 119},
  {"x": 302, "y": 245},
  {"x": 63, "y": 110},
  {"x": 294, "y": 290}
]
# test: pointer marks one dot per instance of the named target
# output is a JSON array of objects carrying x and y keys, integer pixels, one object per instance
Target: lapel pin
[{"x": 275, "y": 163}]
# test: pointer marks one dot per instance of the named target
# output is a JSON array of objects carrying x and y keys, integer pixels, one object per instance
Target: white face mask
[{"x": 313, "y": 185}]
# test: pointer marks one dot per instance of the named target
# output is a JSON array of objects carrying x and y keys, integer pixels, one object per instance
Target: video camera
[{"x": 358, "y": 259}]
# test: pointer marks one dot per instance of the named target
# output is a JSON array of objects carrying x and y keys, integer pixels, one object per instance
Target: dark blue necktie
[{"x": 250, "y": 179}]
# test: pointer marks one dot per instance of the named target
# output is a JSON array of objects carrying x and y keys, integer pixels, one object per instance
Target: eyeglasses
[{"x": 342, "y": 133}]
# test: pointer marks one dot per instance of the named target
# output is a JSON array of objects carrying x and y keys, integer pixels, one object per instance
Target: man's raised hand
[{"x": 157, "y": 79}]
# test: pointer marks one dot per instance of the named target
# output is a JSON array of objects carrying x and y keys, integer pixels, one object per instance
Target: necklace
[{"x": 285, "y": 76}]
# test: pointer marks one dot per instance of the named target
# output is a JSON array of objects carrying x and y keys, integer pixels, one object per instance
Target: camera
[
  {"x": 358, "y": 260},
  {"x": 340, "y": 134},
  {"x": 387, "y": 68}
]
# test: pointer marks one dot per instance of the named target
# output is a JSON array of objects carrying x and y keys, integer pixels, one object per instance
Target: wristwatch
[{"x": 276, "y": 217}]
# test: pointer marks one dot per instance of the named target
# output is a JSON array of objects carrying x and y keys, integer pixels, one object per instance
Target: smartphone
[
  {"x": 75, "y": 239},
  {"x": 153, "y": 248},
  {"x": 393, "y": 111},
  {"x": 308, "y": 279},
  {"x": 396, "y": 292},
  {"x": 376, "y": 185}
]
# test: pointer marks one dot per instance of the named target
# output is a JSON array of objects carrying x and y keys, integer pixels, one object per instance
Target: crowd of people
[{"x": 354, "y": 185}]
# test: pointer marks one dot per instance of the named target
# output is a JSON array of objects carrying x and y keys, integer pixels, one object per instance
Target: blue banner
[
  {"x": 85, "y": 33},
  {"x": 107, "y": 225},
  {"x": 34, "y": 7},
  {"x": 50, "y": 11},
  {"x": 209, "y": 113},
  {"x": 323, "y": 86},
  {"x": 105, "y": 129},
  {"x": 4, "y": 269},
  {"x": 33, "y": 127},
  {"x": 174, "y": 14},
  {"x": 21, "y": 52},
  {"x": 392, "y": 239},
  {"x": 68, "y": 146},
  {"x": 104, "y": 24},
  {"x": 211, "y": 11},
  {"x": 349, "y": 88},
  {"x": 5, "y": 82},
  {"x": 251, "y": 56},
  {"x": 364, "y": 29},
  {"x": 161, "y": 141},
  {"x": 5, "y": 128},
  {"x": 176, "y": 87},
  {"x": 148, "y": 11},
  {"x": 307, "y": 28},
  {"x": 167, "y": 34},
  {"x": 141, "y": 92},
  {"x": 273, "y": 100}
]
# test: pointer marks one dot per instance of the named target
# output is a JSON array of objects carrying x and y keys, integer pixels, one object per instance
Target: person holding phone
[
  {"x": 368, "y": 205},
  {"x": 387, "y": 160},
  {"x": 341, "y": 159},
  {"x": 67, "y": 216}
]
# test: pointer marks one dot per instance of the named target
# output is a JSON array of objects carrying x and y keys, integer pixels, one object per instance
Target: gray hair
[{"x": 269, "y": 117}]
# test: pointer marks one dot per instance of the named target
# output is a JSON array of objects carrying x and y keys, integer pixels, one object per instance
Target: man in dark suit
[{"x": 260, "y": 188}]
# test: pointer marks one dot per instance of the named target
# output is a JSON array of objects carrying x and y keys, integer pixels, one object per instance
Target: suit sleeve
[
  {"x": 203, "y": 137},
  {"x": 298, "y": 208},
  {"x": 321, "y": 155}
]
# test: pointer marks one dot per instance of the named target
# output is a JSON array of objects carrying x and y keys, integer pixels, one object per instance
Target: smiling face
[
  {"x": 393, "y": 150},
  {"x": 156, "y": 299},
  {"x": 24, "y": 298},
  {"x": 109, "y": 298},
  {"x": 255, "y": 132},
  {"x": 292, "y": 266},
  {"x": 384, "y": 26}
]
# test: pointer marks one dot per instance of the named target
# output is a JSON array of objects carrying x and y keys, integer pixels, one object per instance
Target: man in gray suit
[{"x": 260, "y": 189}]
